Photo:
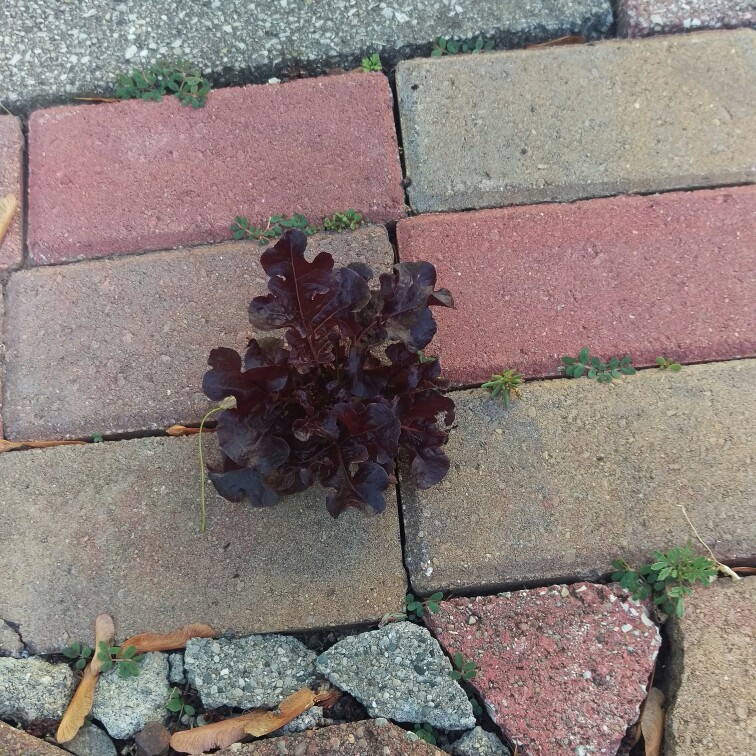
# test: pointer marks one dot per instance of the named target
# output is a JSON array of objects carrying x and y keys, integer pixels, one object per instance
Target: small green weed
[
  {"x": 97, "y": 438},
  {"x": 176, "y": 704},
  {"x": 415, "y": 608},
  {"x": 423, "y": 358},
  {"x": 371, "y": 63},
  {"x": 443, "y": 46},
  {"x": 669, "y": 578},
  {"x": 477, "y": 709},
  {"x": 180, "y": 79},
  {"x": 126, "y": 659},
  {"x": 665, "y": 364},
  {"x": 241, "y": 228},
  {"x": 80, "y": 652},
  {"x": 348, "y": 221},
  {"x": 426, "y": 732},
  {"x": 506, "y": 385},
  {"x": 463, "y": 670},
  {"x": 595, "y": 367}
]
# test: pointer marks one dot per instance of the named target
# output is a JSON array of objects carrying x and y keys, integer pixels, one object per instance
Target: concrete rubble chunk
[
  {"x": 33, "y": 689},
  {"x": 148, "y": 323},
  {"x": 562, "y": 670},
  {"x": 639, "y": 18},
  {"x": 479, "y": 742},
  {"x": 131, "y": 546},
  {"x": 10, "y": 641},
  {"x": 577, "y": 474},
  {"x": 258, "y": 671},
  {"x": 366, "y": 738},
  {"x": 713, "y": 649},
  {"x": 124, "y": 706},
  {"x": 233, "y": 41},
  {"x": 399, "y": 672},
  {"x": 90, "y": 740},
  {"x": 563, "y": 123}
]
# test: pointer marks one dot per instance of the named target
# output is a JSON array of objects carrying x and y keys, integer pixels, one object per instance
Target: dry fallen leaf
[
  {"x": 568, "y": 39},
  {"x": 145, "y": 642},
  {"x": 652, "y": 722},
  {"x": 81, "y": 703},
  {"x": 183, "y": 430},
  {"x": 7, "y": 209},
  {"x": 744, "y": 570},
  {"x": 258, "y": 722},
  {"x": 13, "y": 445}
]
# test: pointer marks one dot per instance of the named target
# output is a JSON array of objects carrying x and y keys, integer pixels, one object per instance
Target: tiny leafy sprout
[
  {"x": 79, "y": 652},
  {"x": 416, "y": 607},
  {"x": 97, "y": 438},
  {"x": 477, "y": 709},
  {"x": 176, "y": 704},
  {"x": 241, "y": 228},
  {"x": 463, "y": 670},
  {"x": 371, "y": 63},
  {"x": 348, "y": 221},
  {"x": 180, "y": 79},
  {"x": 594, "y": 367},
  {"x": 665, "y": 364},
  {"x": 443, "y": 46},
  {"x": 506, "y": 385},
  {"x": 126, "y": 659},
  {"x": 426, "y": 732},
  {"x": 668, "y": 579}
]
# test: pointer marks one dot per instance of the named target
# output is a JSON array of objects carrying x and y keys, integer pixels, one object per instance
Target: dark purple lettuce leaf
[{"x": 335, "y": 400}]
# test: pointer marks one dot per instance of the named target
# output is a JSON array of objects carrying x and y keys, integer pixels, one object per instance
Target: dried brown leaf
[
  {"x": 652, "y": 722},
  {"x": 145, "y": 642},
  {"x": 744, "y": 570},
  {"x": 13, "y": 445},
  {"x": 290, "y": 708},
  {"x": 327, "y": 698},
  {"x": 7, "y": 209},
  {"x": 568, "y": 39},
  {"x": 216, "y": 735},
  {"x": 83, "y": 698},
  {"x": 183, "y": 430}
]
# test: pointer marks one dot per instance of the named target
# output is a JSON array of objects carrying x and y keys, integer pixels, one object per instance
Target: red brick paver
[
  {"x": 11, "y": 171},
  {"x": 15, "y": 742},
  {"x": 124, "y": 177},
  {"x": 563, "y": 669},
  {"x": 671, "y": 274}
]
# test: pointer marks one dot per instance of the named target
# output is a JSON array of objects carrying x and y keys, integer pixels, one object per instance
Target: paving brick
[
  {"x": 579, "y": 473},
  {"x": 671, "y": 274},
  {"x": 131, "y": 547},
  {"x": 11, "y": 182},
  {"x": 577, "y": 121},
  {"x": 376, "y": 736},
  {"x": 15, "y": 742},
  {"x": 639, "y": 18},
  {"x": 125, "y": 177},
  {"x": 562, "y": 670},
  {"x": 112, "y": 346},
  {"x": 714, "y": 650}
]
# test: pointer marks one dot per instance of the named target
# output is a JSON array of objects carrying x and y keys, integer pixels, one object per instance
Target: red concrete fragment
[
  {"x": 671, "y": 274},
  {"x": 11, "y": 172},
  {"x": 15, "y": 742},
  {"x": 125, "y": 177},
  {"x": 563, "y": 669}
]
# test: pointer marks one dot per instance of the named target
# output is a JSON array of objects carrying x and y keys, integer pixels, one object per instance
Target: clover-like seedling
[
  {"x": 505, "y": 386},
  {"x": 180, "y": 79},
  {"x": 443, "y": 46},
  {"x": 463, "y": 670},
  {"x": 126, "y": 659},
  {"x": 371, "y": 63},
  {"x": 595, "y": 367},
  {"x": 426, "y": 732},
  {"x": 415, "y": 607},
  {"x": 668, "y": 579},
  {"x": 80, "y": 652},
  {"x": 241, "y": 228},
  {"x": 665, "y": 364},
  {"x": 177, "y": 705},
  {"x": 348, "y": 221}
]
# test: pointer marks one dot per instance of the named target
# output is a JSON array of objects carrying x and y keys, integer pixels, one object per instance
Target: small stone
[
  {"x": 399, "y": 672},
  {"x": 91, "y": 741},
  {"x": 10, "y": 643},
  {"x": 478, "y": 742},
  {"x": 131, "y": 52},
  {"x": 32, "y": 689},
  {"x": 176, "y": 675},
  {"x": 307, "y": 720},
  {"x": 153, "y": 740}
]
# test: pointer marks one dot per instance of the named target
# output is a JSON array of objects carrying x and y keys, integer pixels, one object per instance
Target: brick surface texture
[
  {"x": 714, "y": 650},
  {"x": 577, "y": 474},
  {"x": 578, "y": 121},
  {"x": 131, "y": 547},
  {"x": 639, "y": 18},
  {"x": 11, "y": 182},
  {"x": 563, "y": 670},
  {"x": 124, "y": 177},
  {"x": 15, "y": 742},
  {"x": 671, "y": 274},
  {"x": 111, "y": 346}
]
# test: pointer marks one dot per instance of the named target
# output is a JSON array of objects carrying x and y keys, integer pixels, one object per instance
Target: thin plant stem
[
  {"x": 721, "y": 567},
  {"x": 202, "y": 465}
]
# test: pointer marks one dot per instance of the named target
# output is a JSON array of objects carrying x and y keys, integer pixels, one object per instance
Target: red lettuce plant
[{"x": 337, "y": 398}]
